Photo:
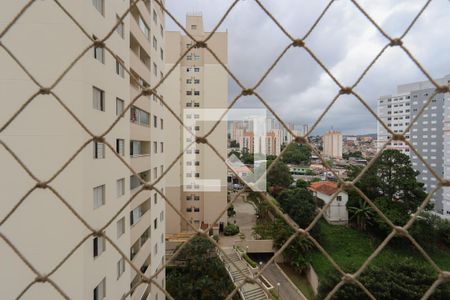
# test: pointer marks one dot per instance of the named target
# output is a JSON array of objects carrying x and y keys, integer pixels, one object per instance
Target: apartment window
[
  {"x": 161, "y": 30},
  {"x": 139, "y": 116},
  {"x": 100, "y": 6},
  {"x": 196, "y": 198},
  {"x": 120, "y": 146},
  {"x": 144, "y": 28},
  {"x": 155, "y": 17},
  {"x": 155, "y": 172},
  {"x": 162, "y": 147},
  {"x": 155, "y": 69},
  {"x": 119, "y": 68},
  {"x": 155, "y": 121},
  {"x": 193, "y": 27},
  {"x": 196, "y": 104},
  {"x": 196, "y": 209},
  {"x": 120, "y": 29},
  {"x": 120, "y": 267},
  {"x": 188, "y": 81},
  {"x": 189, "y": 57},
  {"x": 196, "y": 81},
  {"x": 99, "y": 246},
  {"x": 155, "y": 223},
  {"x": 100, "y": 290},
  {"x": 120, "y": 227},
  {"x": 161, "y": 216},
  {"x": 189, "y": 93},
  {"x": 189, "y": 104},
  {"x": 189, "y": 209},
  {"x": 98, "y": 99},
  {"x": 99, "y": 150},
  {"x": 161, "y": 123},
  {"x": 155, "y": 198},
  {"x": 161, "y": 53},
  {"x": 120, "y": 187},
  {"x": 156, "y": 251},
  {"x": 120, "y": 106},
  {"x": 155, "y": 147},
  {"x": 99, "y": 54},
  {"x": 99, "y": 196},
  {"x": 196, "y": 70},
  {"x": 155, "y": 43}
]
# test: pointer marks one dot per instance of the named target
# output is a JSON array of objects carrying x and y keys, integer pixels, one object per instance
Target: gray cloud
[{"x": 298, "y": 89}]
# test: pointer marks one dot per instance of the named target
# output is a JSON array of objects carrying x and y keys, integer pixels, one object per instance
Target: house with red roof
[{"x": 326, "y": 192}]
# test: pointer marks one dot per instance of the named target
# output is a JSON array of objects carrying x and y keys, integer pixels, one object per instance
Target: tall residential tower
[
  {"x": 196, "y": 89},
  {"x": 96, "y": 184},
  {"x": 429, "y": 135}
]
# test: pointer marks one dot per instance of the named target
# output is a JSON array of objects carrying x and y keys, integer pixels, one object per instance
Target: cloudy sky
[{"x": 298, "y": 89}]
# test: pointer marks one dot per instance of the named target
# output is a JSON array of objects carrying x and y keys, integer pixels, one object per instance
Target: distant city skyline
[{"x": 297, "y": 88}]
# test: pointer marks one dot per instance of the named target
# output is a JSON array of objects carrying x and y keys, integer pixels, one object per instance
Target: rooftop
[{"x": 324, "y": 187}]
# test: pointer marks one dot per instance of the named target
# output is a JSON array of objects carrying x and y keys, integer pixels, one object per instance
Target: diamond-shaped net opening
[{"x": 295, "y": 235}]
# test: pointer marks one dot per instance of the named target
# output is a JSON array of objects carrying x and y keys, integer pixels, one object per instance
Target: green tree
[
  {"x": 297, "y": 252},
  {"x": 247, "y": 158},
  {"x": 279, "y": 176},
  {"x": 300, "y": 183},
  {"x": 299, "y": 204},
  {"x": 391, "y": 182},
  {"x": 363, "y": 214},
  {"x": 356, "y": 154},
  {"x": 238, "y": 155},
  {"x": 200, "y": 274},
  {"x": 234, "y": 144},
  {"x": 297, "y": 154}
]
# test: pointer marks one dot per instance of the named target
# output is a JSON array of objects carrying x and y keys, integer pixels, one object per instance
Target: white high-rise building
[
  {"x": 96, "y": 184},
  {"x": 429, "y": 135}
]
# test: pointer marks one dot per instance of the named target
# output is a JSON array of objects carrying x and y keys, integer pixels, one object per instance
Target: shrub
[
  {"x": 250, "y": 261},
  {"x": 216, "y": 237},
  {"x": 230, "y": 211},
  {"x": 404, "y": 279},
  {"x": 231, "y": 229}
]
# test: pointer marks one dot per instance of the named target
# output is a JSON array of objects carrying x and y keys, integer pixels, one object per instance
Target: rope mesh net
[{"x": 299, "y": 42}]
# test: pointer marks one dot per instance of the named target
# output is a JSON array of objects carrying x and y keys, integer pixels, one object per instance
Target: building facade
[
  {"x": 96, "y": 183},
  {"x": 197, "y": 183},
  {"x": 429, "y": 134},
  {"x": 332, "y": 144}
]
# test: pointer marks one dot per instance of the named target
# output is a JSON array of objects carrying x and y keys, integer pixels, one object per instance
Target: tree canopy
[
  {"x": 201, "y": 274},
  {"x": 399, "y": 280},
  {"x": 297, "y": 154},
  {"x": 390, "y": 182},
  {"x": 279, "y": 176}
]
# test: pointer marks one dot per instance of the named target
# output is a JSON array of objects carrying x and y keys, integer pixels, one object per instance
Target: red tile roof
[{"x": 324, "y": 187}]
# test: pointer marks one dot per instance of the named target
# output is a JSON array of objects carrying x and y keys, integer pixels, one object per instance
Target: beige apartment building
[
  {"x": 96, "y": 183},
  {"x": 199, "y": 82},
  {"x": 332, "y": 144}
]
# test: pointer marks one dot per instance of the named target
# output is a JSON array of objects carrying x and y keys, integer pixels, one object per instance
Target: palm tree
[{"x": 363, "y": 214}]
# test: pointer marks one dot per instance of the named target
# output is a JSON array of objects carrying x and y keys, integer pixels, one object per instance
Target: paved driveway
[{"x": 287, "y": 290}]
